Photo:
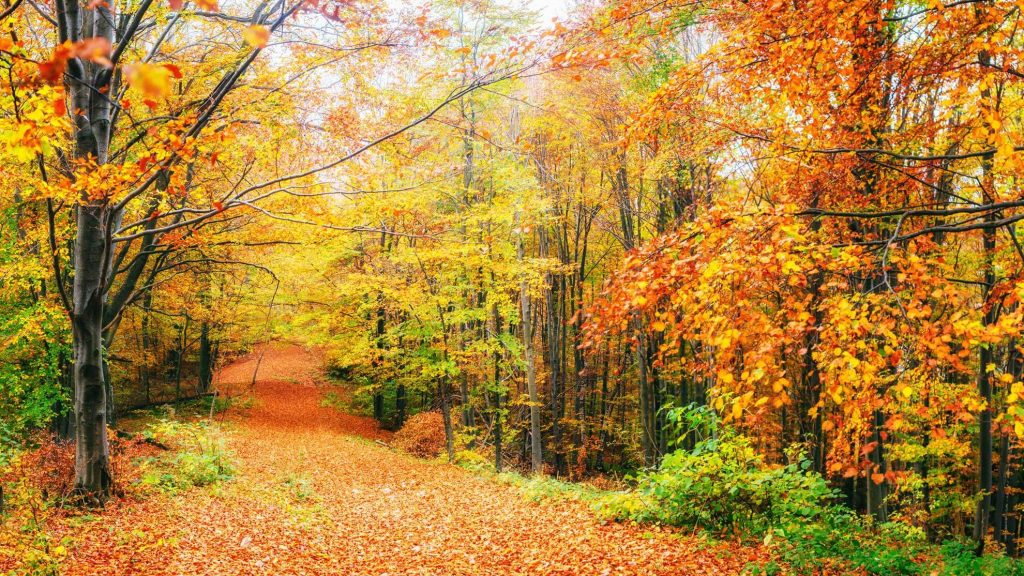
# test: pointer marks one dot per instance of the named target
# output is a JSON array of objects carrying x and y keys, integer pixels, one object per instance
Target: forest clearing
[{"x": 528, "y": 287}]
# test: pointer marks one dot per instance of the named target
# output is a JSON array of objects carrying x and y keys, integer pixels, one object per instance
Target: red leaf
[{"x": 175, "y": 71}]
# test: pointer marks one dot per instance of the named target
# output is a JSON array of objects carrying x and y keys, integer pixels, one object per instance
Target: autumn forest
[{"x": 531, "y": 287}]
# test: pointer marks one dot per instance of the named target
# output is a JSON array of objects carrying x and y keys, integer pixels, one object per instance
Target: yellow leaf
[
  {"x": 256, "y": 36},
  {"x": 153, "y": 80}
]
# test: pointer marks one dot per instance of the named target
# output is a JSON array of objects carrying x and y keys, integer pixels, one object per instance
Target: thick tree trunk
[
  {"x": 985, "y": 355},
  {"x": 91, "y": 259},
  {"x": 92, "y": 456}
]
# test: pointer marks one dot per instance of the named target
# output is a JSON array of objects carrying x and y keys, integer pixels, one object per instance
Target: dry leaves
[{"x": 313, "y": 496}]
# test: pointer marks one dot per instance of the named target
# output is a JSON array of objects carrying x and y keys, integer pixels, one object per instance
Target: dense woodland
[{"x": 600, "y": 247}]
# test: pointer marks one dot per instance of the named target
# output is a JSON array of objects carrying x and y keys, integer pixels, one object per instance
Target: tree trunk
[
  {"x": 985, "y": 357},
  {"x": 400, "y": 404},
  {"x": 877, "y": 491},
  {"x": 92, "y": 453},
  {"x": 536, "y": 462},
  {"x": 91, "y": 258},
  {"x": 647, "y": 427},
  {"x": 446, "y": 416},
  {"x": 147, "y": 343},
  {"x": 205, "y": 359}
]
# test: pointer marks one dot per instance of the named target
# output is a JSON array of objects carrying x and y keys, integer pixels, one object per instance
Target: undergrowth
[
  {"x": 37, "y": 485},
  {"x": 196, "y": 457},
  {"x": 722, "y": 486}
]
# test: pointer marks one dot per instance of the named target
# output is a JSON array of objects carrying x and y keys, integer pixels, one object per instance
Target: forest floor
[{"x": 318, "y": 492}]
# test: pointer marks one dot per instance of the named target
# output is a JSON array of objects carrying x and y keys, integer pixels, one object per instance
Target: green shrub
[
  {"x": 723, "y": 485},
  {"x": 299, "y": 486},
  {"x": 843, "y": 540},
  {"x": 197, "y": 457},
  {"x": 473, "y": 461},
  {"x": 34, "y": 345},
  {"x": 959, "y": 560}
]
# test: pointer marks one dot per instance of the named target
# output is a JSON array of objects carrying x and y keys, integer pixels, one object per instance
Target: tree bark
[
  {"x": 92, "y": 456},
  {"x": 536, "y": 461},
  {"x": 205, "y": 359}
]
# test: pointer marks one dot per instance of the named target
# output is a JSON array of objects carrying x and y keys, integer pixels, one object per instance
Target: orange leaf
[
  {"x": 94, "y": 50},
  {"x": 91, "y": 49}
]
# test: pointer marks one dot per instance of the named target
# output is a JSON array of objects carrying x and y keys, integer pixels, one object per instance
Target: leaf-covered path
[{"x": 317, "y": 494}]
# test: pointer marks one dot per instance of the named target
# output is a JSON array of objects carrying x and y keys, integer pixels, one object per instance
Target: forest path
[{"x": 315, "y": 494}]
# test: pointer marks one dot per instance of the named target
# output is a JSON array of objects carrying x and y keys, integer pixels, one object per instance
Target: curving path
[{"x": 315, "y": 494}]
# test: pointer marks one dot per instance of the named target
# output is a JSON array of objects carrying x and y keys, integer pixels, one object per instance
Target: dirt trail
[{"x": 315, "y": 494}]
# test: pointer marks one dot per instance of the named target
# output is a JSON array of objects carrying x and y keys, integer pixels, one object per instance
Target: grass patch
[
  {"x": 337, "y": 402},
  {"x": 533, "y": 488},
  {"x": 138, "y": 421},
  {"x": 299, "y": 487},
  {"x": 537, "y": 488},
  {"x": 197, "y": 457}
]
